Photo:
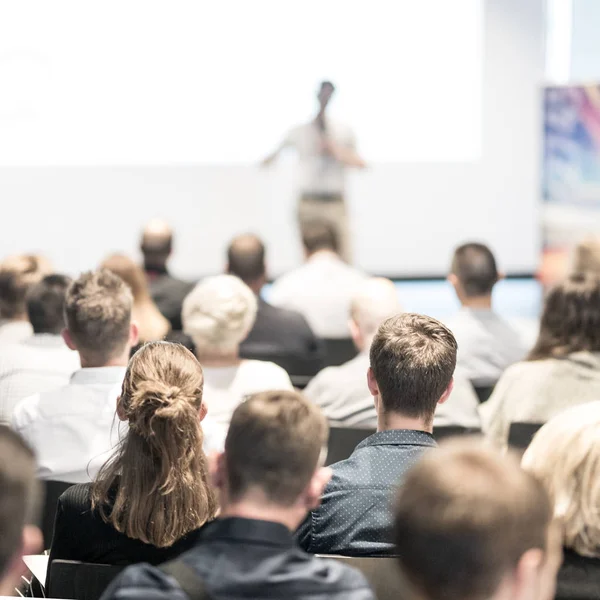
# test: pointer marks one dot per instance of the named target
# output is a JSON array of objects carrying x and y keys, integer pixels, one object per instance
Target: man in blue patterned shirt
[{"x": 412, "y": 362}]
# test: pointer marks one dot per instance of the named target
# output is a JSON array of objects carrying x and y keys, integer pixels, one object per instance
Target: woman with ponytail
[{"x": 147, "y": 502}]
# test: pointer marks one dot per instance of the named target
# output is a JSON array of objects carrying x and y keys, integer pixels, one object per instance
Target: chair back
[
  {"x": 53, "y": 490},
  {"x": 79, "y": 581},
  {"x": 338, "y": 351},
  {"x": 343, "y": 441},
  {"x": 443, "y": 432},
  {"x": 521, "y": 434},
  {"x": 382, "y": 573},
  {"x": 483, "y": 392}
]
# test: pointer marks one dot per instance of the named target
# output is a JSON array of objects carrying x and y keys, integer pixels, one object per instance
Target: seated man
[
  {"x": 276, "y": 331},
  {"x": 487, "y": 344},
  {"x": 72, "y": 429},
  {"x": 268, "y": 477},
  {"x": 322, "y": 288},
  {"x": 42, "y": 361},
  {"x": 17, "y": 275},
  {"x": 20, "y": 498},
  {"x": 470, "y": 524},
  {"x": 412, "y": 361}
]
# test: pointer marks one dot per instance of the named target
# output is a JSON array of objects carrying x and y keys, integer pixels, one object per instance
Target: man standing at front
[{"x": 324, "y": 149}]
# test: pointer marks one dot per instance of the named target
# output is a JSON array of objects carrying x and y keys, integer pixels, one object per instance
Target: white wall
[
  {"x": 585, "y": 41},
  {"x": 407, "y": 217}
]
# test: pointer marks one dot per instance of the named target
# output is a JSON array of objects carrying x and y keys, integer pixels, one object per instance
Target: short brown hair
[
  {"x": 319, "y": 235},
  {"x": 17, "y": 275},
  {"x": 19, "y": 493},
  {"x": 98, "y": 314},
  {"x": 274, "y": 443},
  {"x": 465, "y": 515},
  {"x": 413, "y": 358},
  {"x": 571, "y": 319},
  {"x": 475, "y": 267}
]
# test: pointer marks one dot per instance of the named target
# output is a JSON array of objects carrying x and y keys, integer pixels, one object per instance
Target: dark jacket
[{"x": 168, "y": 293}]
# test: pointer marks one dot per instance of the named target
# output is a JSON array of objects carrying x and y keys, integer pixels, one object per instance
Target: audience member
[
  {"x": 268, "y": 477},
  {"x": 562, "y": 370},
  {"x": 152, "y": 326},
  {"x": 72, "y": 428},
  {"x": 167, "y": 291},
  {"x": 19, "y": 508},
  {"x": 412, "y": 361},
  {"x": 218, "y": 314},
  {"x": 487, "y": 344},
  {"x": 42, "y": 361},
  {"x": 565, "y": 457},
  {"x": 322, "y": 288},
  {"x": 471, "y": 525},
  {"x": 276, "y": 331},
  {"x": 17, "y": 275},
  {"x": 149, "y": 499}
]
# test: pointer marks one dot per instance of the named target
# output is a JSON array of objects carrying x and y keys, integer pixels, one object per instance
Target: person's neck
[
  {"x": 17, "y": 319},
  {"x": 478, "y": 302},
  {"x": 219, "y": 360},
  {"x": 150, "y": 267},
  {"x": 390, "y": 420},
  {"x": 91, "y": 363},
  {"x": 263, "y": 510},
  {"x": 320, "y": 253}
]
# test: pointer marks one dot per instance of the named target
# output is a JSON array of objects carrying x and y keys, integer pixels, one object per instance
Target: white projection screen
[{"x": 129, "y": 109}]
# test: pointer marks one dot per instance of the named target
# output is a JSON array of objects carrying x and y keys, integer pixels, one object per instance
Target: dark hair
[
  {"x": 17, "y": 275},
  {"x": 246, "y": 258},
  {"x": 570, "y": 319},
  {"x": 464, "y": 517},
  {"x": 274, "y": 443},
  {"x": 327, "y": 83},
  {"x": 475, "y": 266},
  {"x": 19, "y": 493},
  {"x": 319, "y": 235},
  {"x": 413, "y": 358},
  {"x": 46, "y": 304}
]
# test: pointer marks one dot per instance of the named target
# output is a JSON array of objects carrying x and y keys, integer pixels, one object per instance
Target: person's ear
[
  {"x": 66, "y": 336},
  {"x": 121, "y": 410},
  {"x": 528, "y": 575},
  {"x": 317, "y": 486},
  {"x": 447, "y": 392},
  {"x": 500, "y": 276},
  {"x": 355, "y": 333},
  {"x": 372, "y": 383},
  {"x": 33, "y": 540},
  {"x": 452, "y": 279},
  {"x": 217, "y": 469},
  {"x": 134, "y": 334},
  {"x": 203, "y": 411}
]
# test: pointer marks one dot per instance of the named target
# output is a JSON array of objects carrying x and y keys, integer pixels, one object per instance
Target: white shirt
[
  {"x": 13, "y": 332},
  {"x": 73, "y": 429},
  {"x": 322, "y": 290},
  {"x": 487, "y": 345},
  {"x": 226, "y": 387},
  {"x": 41, "y": 363},
  {"x": 319, "y": 172}
]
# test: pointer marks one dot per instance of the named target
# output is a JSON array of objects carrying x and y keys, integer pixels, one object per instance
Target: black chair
[
  {"x": 338, "y": 351},
  {"x": 343, "y": 441},
  {"x": 443, "y": 432},
  {"x": 79, "y": 581},
  {"x": 521, "y": 434},
  {"x": 382, "y": 574},
  {"x": 483, "y": 392},
  {"x": 53, "y": 490}
]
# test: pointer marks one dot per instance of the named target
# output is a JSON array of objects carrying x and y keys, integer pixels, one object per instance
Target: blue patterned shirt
[{"x": 354, "y": 518}]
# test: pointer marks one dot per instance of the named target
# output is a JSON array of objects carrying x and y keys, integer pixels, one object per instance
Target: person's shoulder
[
  {"x": 266, "y": 371},
  {"x": 344, "y": 578},
  {"x": 77, "y": 497},
  {"x": 26, "y": 411},
  {"x": 143, "y": 582}
]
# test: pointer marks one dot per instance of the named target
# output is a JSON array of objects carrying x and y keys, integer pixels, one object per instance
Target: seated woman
[
  {"x": 562, "y": 370},
  {"x": 218, "y": 314},
  {"x": 152, "y": 325},
  {"x": 147, "y": 502},
  {"x": 565, "y": 456}
]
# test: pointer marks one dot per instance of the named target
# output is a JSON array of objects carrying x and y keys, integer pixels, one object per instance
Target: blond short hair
[
  {"x": 98, "y": 314},
  {"x": 219, "y": 313},
  {"x": 275, "y": 443},
  {"x": 565, "y": 456},
  {"x": 18, "y": 274},
  {"x": 586, "y": 257}
]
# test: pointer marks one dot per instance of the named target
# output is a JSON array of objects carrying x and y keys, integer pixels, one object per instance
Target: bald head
[
  {"x": 375, "y": 301},
  {"x": 157, "y": 243},
  {"x": 246, "y": 260}
]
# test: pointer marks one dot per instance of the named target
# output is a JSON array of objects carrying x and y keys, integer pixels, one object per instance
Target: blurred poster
[{"x": 571, "y": 173}]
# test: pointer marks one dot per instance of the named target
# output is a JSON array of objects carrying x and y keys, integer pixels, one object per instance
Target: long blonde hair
[
  {"x": 153, "y": 326},
  {"x": 565, "y": 456},
  {"x": 159, "y": 472}
]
